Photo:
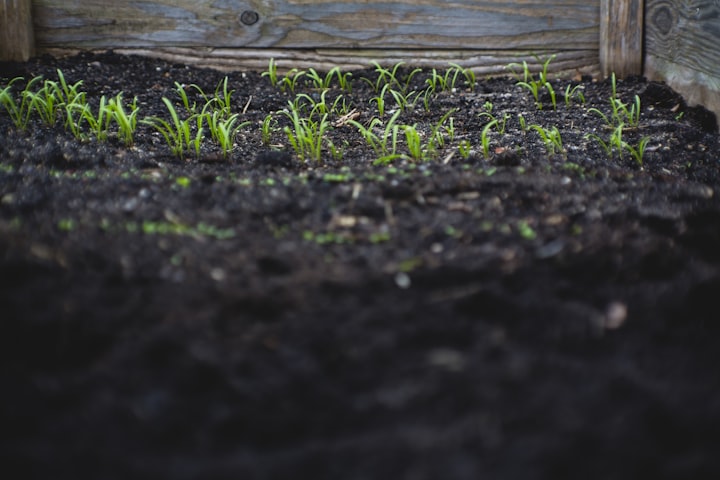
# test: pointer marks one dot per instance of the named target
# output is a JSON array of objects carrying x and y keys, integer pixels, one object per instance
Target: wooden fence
[{"x": 677, "y": 41}]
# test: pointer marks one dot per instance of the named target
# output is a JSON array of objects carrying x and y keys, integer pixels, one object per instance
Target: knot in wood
[{"x": 249, "y": 17}]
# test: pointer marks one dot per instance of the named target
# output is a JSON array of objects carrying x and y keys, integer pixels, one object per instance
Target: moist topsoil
[{"x": 516, "y": 313}]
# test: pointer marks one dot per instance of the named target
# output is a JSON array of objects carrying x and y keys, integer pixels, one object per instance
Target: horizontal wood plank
[
  {"x": 473, "y": 24},
  {"x": 482, "y": 62},
  {"x": 682, "y": 43}
]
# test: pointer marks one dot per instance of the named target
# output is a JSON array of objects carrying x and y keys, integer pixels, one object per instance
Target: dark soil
[{"x": 524, "y": 316}]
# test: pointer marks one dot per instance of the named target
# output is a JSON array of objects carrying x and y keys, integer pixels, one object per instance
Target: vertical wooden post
[
  {"x": 16, "y": 30},
  {"x": 621, "y": 37}
]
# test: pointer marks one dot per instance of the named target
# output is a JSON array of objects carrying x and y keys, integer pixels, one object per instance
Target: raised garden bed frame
[{"x": 668, "y": 40}]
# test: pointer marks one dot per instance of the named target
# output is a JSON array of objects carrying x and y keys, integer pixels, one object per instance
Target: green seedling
[
  {"x": 20, "y": 113},
  {"x": 525, "y": 230},
  {"x": 450, "y": 129},
  {"x": 343, "y": 79},
  {"x": 436, "y": 82},
  {"x": 616, "y": 144},
  {"x": 621, "y": 112},
  {"x": 385, "y": 144},
  {"x": 413, "y": 142},
  {"x": 7, "y": 100},
  {"x": 324, "y": 83},
  {"x": 405, "y": 101},
  {"x": 440, "y": 130},
  {"x": 269, "y": 126},
  {"x": 69, "y": 93},
  {"x": 52, "y": 99},
  {"x": 464, "y": 149},
  {"x": 224, "y": 130},
  {"x": 291, "y": 80},
  {"x": 184, "y": 98},
  {"x": 73, "y": 122},
  {"x": 637, "y": 152},
  {"x": 335, "y": 152},
  {"x": 126, "y": 122},
  {"x": 500, "y": 123},
  {"x": 575, "y": 92},
  {"x": 532, "y": 84},
  {"x": 312, "y": 107},
  {"x": 271, "y": 73},
  {"x": 522, "y": 122},
  {"x": 46, "y": 103},
  {"x": 613, "y": 143},
  {"x": 428, "y": 96},
  {"x": 380, "y": 100},
  {"x": 402, "y": 100},
  {"x": 391, "y": 77},
  {"x": 553, "y": 100},
  {"x": 178, "y": 134},
  {"x": 183, "y": 182},
  {"x": 222, "y": 99},
  {"x": 551, "y": 138},
  {"x": 306, "y": 135},
  {"x": 419, "y": 151},
  {"x": 98, "y": 124},
  {"x": 448, "y": 82},
  {"x": 467, "y": 73},
  {"x": 485, "y": 138}
]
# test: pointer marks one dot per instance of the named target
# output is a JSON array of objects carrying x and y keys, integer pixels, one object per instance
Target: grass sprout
[
  {"x": 575, "y": 92},
  {"x": 269, "y": 126},
  {"x": 19, "y": 112},
  {"x": 464, "y": 149},
  {"x": 98, "y": 124},
  {"x": 485, "y": 138},
  {"x": 551, "y": 138},
  {"x": 390, "y": 76},
  {"x": 46, "y": 103},
  {"x": 621, "y": 112},
  {"x": 532, "y": 84},
  {"x": 224, "y": 130},
  {"x": 178, "y": 134},
  {"x": 413, "y": 141},
  {"x": 325, "y": 83},
  {"x": 440, "y": 130},
  {"x": 271, "y": 73},
  {"x": 306, "y": 135},
  {"x": 500, "y": 123},
  {"x": 637, "y": 152},
  {"x": 291, "y": 80},
  {"x": 384, "y": 142},
  {"x": 615, "y": 144},
  {"x": 126, "y": 121},
  {"x": 467, "y": 73}
]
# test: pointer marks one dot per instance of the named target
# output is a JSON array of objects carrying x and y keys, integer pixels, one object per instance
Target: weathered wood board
[
  {"x": 482, "y": 62},
  {"x": 474, "y": 24},
  {"x": 228, "y": 34},
  {"x": 682, "y": 42},
  {"x": 16, "y": 30},
  {"x": 621, "y": 34}
]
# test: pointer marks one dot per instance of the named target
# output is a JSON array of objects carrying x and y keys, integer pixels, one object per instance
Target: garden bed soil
[{"x": 524, "y": 315}]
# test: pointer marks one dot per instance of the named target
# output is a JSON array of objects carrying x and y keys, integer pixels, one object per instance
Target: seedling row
[{"x": 403, "y": 118}]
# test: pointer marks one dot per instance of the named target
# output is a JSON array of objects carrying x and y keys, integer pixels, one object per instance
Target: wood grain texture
[
  {"x": 621, "y": 37},
  {"x": 682, "y": 43},
  {"x": 482, "y": 62},
  {"x": 16, "y": 30},
  {"x": 416, "y": 24}
]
